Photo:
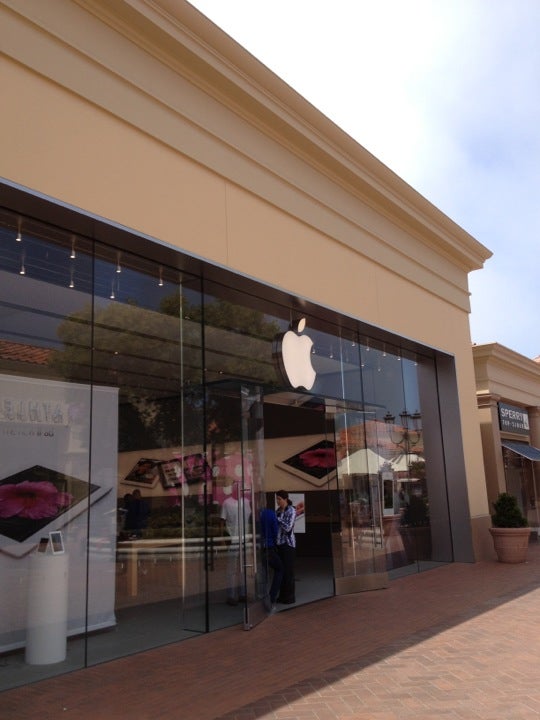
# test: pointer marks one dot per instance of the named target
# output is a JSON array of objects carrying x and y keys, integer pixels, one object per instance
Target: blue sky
[{"x": 444, "y": 92}]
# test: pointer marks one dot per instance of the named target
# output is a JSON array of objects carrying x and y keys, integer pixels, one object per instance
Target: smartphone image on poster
[
  {"x": 57, "y": 542},
  {"x": 43, "y": 544}
]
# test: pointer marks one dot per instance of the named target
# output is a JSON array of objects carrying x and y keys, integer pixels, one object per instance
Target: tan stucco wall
[
  {"x": 69, "y": 149},
  {"x": 197, "y": 172},
  {"x": 503, "y": 375}
]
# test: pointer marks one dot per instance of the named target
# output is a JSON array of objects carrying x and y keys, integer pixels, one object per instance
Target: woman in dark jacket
[{"x": 286, "y": 545}]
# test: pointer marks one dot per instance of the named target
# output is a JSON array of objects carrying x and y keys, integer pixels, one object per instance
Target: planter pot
[
  {"x": 511, "y": 544},
  {"x": 416, "y": 542}
]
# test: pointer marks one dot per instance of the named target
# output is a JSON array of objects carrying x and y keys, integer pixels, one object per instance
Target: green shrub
[{"x": 507, "y": 512}]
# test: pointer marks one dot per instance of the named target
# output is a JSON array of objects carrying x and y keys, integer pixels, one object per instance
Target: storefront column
[
  {"x": 534, "y": 425},
  {"x": 491, "y": 444}
]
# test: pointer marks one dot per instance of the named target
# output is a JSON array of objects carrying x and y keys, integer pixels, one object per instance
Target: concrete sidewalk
[{"x": 461, "y": 641}]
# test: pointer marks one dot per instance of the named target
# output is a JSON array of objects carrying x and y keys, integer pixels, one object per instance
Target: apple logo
[{"x": 292, "y": 350}]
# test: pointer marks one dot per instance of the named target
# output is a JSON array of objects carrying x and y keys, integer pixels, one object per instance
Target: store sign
[
  {"x": 30, "y": 411},
  {"x": 513, "y": 419},
  {"x": 292, "y": 351}
]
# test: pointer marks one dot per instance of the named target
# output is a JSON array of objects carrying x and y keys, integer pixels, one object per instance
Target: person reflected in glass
[
  {"x": 235, "y": 512},
  {"x": 138, "y": 512},
  {"x": 286, "y": 545}
]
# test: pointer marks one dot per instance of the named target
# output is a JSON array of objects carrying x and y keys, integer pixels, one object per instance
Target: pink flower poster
[{"x": 52, "y": 479}]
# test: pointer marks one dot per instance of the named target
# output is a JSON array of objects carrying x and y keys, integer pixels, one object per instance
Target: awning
[{"x": 526, "y": 451}]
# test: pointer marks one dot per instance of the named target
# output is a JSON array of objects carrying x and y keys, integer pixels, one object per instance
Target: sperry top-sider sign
[{"x": 513, "y": 419}]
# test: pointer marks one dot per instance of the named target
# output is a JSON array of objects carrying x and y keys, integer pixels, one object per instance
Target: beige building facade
[
  {"x": 508, "y": 396},
  {"x": 143, "y": 149}
]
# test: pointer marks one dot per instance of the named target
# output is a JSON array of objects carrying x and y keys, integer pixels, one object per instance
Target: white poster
[
  {"x": 299, "y": 502},
  {"x": 49, "y": 481}
]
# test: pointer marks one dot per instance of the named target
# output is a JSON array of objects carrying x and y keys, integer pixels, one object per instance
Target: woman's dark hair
[{"x": 284, "y": 495}]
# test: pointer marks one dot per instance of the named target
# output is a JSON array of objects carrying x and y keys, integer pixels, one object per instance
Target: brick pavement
[{"x": 461, "y": 641}]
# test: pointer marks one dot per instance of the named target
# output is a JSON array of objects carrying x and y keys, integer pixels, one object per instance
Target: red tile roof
[{"x": 24, "y": 353}]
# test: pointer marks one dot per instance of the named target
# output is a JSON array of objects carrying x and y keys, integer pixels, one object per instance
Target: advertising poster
[
  {"x": 299, "y": 502},
  {"x": 50, "y": 482}
]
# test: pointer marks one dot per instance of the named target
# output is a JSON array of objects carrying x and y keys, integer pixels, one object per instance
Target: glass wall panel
[
  {"x": 521, "y": 481},
  {"x": 230, "y": 503},
  {"x": 335, "y": 361},
  {"x": 148, "y": 354},
  {"x": 126, "y": 399},
  {"x": 353, "y": 390},
  {"x": 46, "y": 484},
  {"x": 394, "y": 434},
  {"x": 238, "y": 341},
  {"x": 238, "y": 337},
  {"x": 359, "y": 549}
]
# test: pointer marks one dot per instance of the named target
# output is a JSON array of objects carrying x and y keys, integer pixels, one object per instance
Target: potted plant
[
  {"x": 415, "y": 529},
  {"x": 510, "y": 530}
]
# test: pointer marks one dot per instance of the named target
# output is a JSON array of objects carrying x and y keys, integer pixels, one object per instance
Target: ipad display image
[
  {"x": 196, "y": 469},
  {"x": 40, "y": 499},
  {"x": 33, "y": 498},
  {"x": 316, "y": 464},
  {"x": 145, "y": 473},
  {"x": 171, "y": 474}
]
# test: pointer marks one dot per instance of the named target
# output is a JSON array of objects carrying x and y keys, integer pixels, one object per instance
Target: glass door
[
  {"x": 236, "y": 587},
  {"x": 360, "y": 545},
  {"x": 300, "y": 459},
  {"x": 254, "y": 573}
]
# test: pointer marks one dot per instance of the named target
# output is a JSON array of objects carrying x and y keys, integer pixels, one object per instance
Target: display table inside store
[{"x": 132, "y": 551}]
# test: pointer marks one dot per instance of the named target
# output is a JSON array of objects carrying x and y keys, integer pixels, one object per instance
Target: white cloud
[{"x": 444, "y": 92}]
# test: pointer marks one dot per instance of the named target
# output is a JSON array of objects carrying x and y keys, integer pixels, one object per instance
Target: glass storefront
[
  {"x": 142, "y": 406},
  {"x": 523, "y": 481}
]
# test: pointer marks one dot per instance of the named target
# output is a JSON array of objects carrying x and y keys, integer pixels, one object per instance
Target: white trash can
[{"x": 46, "y": 625}]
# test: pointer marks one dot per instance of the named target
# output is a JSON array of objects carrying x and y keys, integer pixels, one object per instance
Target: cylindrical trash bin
[{"x": 46, "y": 625}]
